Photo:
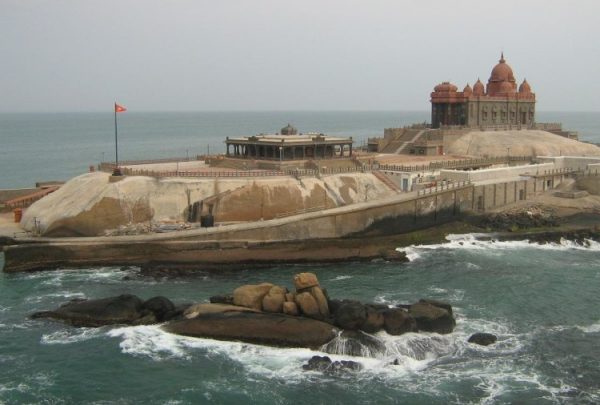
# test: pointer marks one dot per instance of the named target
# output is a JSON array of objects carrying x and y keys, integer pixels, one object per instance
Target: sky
[{"x": 197, "y": 55}]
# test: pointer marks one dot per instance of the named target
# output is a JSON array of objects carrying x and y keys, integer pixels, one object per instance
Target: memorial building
[
  {"x": 289, "y": 145},
  {"x": 500, "y": 103}
]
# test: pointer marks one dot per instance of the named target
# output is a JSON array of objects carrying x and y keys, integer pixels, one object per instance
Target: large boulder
[
  {"x": 124, "y": 309},
  {"x": 321, "y": 300},
  {"x": 439, "y": 304},
  {"x": 350, "y": 315},
  {"x": 162, "y": 308},
  {"x": 308, "y": 305},
  {"x": 374, "y": 320},
  {"x": 260, "y": 328},
  {"x": 483, "y": 339},
  {"x": 273, "y": 301},
  {"x": 431, "y": 318},
  {"x": 196, "y": 310},
  {"x": 251, "y": 295},
  {"x": 305, "y": 280},
  {"x": 397, "y": 321},
  {"x": 290, "y": 308}
]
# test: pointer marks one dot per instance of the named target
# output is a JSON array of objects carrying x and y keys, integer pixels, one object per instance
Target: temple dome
[
  {"x": 478, "y": 89},
  {"x": 288, "y": 130},
  {"x": 445, "y": 86},
  {"x": 468, "y": 89},
  {"x": 505, "y": 88},
  {"x": 525, "y": 88},
  {"x": 502, "y": 72}
]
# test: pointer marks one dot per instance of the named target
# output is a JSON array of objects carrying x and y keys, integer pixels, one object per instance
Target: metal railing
[{"x": 443, "y": 187}]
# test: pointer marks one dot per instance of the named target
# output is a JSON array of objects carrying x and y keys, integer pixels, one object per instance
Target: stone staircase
[
  {"x": 400, "y": 142},
  {"x": 386, "y": 180}
]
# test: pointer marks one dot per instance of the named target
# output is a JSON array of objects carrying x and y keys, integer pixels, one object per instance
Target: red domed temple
[{"x": 499, "y": 103}]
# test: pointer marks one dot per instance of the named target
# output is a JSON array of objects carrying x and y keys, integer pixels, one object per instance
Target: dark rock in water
[
  {"x": 431, "y": 318},
  {"x": 350, "y": 315},
  {"x": 439, "y": 304},
  {"x": 256, "y": 327},
  {"x": 374, "y": 320},
  {"x": 324, "y": 364},
  {"x": 398, "y": 321},
  {"x": 355, "y": 343},
  {"x": 483, "y": 339},
  {"x": 161, "y": 307},
  {"x": 221, "y": 299},
  {"x": 124, "y": 309}
]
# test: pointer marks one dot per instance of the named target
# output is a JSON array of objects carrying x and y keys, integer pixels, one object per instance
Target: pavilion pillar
[{"x": 350, "y": 150}]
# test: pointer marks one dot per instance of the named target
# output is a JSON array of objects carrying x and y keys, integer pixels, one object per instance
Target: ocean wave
[
  {"x": 339, "y": 278},
  {"x": 68, "y": 336},
  {"x": 593, "y": 328},
  {"x": 474, "y": 241},
  {"x": 63, "y": 294}
]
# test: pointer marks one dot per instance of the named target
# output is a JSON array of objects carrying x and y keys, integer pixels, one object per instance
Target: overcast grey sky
[{"x": 80, "y": 55}]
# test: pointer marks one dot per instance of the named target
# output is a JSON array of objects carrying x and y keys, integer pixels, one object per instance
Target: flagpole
[{"x": 116, "y": 140}]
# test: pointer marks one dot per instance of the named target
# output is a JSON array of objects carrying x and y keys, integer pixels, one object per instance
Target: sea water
[
  {"x": 540, "y": 300},
  {"x": 42, "y": 147}
]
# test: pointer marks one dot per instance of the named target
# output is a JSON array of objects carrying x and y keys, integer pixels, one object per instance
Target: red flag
[{"x": 119, "y": 108}]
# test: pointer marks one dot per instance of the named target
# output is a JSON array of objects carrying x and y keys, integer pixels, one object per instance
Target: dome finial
[{"x": 502, "y": 57}]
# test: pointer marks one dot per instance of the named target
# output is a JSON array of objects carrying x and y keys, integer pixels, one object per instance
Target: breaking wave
[{"x": 479, "y": 241}]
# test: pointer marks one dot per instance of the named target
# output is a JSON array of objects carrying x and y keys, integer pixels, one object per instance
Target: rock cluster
[
  {"x": 267, "y": 314},
  {"x": 308, "y": 299},
  {"x": 311, "y": 301},
  {"x": 326, "y": 365},
  {"x": 531, "y": 217},
  {"x": 125, "y": 309}
]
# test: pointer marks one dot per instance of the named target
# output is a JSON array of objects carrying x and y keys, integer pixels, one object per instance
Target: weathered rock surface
[
  {"x": 221, "y": 299},
  {"x": 273, "y": 301},
  {"x": 162, "y": 308},
  {"x": 397, "y": 321},
  {"x": 205, "y": 309},
  {"x": 374, "y": 320},
  {"x": 290, "y": 308},
  {"x": 431, "y": 318},
  {"x": 326, "y": 365},
  {"x": 483, "y": 339},
  {"x": 260, "y": 328},
  {"x": 321, "y": 300},
  {"x": 124, "y": 309},
  {"x": 308, "y": 305},
  {"x": 355, "y": 343},
  {"x": 350, "y": 315},
  {"x": 251, "y": 295},
  {"x": 305, "y": 280}
]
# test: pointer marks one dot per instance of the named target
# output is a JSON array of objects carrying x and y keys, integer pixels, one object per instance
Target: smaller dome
[
  {"x": 468, "y": 89},
  {"x": 505, "y": 87},
  {"x": 478, "y": 89},
  {"x": 525, "y": 88},
  {"x": 445, "y": 87},
  {"x": 288, "y": 130}
]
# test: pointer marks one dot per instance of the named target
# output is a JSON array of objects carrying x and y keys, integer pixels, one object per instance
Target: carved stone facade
[{"x": 499, "y": 104}]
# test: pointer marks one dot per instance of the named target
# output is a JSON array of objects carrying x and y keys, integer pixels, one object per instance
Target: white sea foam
[
  {"x": 426, "y": 362},
  {"x": 68, "y": 336},
  {"x": 593, "y": 328},
  {"x": 339, "y": 278},
  {"x": 63, "y": 294},
  {"x": 478, "y": 241}
]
